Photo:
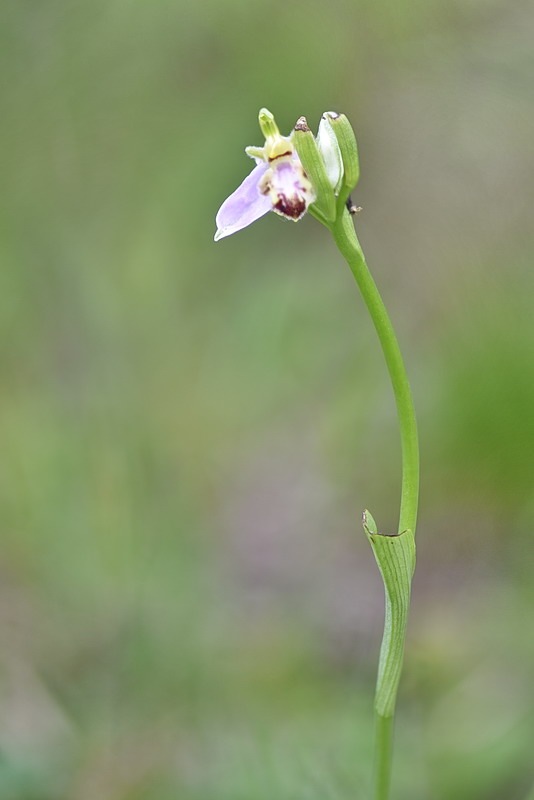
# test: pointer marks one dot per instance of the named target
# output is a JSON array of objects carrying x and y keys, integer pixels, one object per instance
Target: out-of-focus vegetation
[{"x": 189, "y": 431}]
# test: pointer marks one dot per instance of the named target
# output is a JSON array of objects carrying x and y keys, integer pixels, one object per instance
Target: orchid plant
[{"x": 302, "y": 173}]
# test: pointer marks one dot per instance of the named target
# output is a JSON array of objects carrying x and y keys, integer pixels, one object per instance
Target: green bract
[
  {"x": 314, "y": 164},
  {"x": 348, "y": 148}
]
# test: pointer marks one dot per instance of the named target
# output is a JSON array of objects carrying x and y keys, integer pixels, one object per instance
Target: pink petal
[{"x": 244, "y": 206}]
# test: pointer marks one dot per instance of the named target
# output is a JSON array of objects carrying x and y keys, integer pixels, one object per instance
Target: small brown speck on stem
[{"x": 352, "y": 208}]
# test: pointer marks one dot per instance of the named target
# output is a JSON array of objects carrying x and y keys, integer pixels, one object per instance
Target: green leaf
[{"x": 395, "y": 556}]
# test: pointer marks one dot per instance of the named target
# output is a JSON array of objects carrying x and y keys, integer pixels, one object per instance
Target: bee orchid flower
[{"x": 279, "y": 181}]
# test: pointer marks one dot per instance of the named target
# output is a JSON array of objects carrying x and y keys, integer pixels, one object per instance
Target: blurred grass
[{"x": 189, "y": 431}]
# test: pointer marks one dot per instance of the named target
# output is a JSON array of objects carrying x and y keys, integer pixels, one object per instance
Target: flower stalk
[{"x": 299, "y": 173}]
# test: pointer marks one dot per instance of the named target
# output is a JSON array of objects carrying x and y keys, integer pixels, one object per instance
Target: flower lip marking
[
  {"x": 288, "y": 188},
  {"x": 280, "y": 155},
  {"x": 291, "y": 207}
]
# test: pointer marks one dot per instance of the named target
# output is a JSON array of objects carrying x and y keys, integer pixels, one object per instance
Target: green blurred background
[{"x": 189, "y": 431}]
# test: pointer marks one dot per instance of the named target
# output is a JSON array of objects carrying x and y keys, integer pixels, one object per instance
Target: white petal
[{"x": 327, "y": 143}]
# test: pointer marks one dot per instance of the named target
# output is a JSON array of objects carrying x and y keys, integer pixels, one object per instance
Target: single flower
[{"x": 277, "y": 183}]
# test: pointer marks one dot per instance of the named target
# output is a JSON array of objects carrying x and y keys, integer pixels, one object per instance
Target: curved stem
[
  {"x": 348, "y": 244},
  {"x": 395, "y": 555}
]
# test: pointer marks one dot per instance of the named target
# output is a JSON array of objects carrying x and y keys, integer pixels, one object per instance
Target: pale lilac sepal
[{"x": 244, "y": 206}]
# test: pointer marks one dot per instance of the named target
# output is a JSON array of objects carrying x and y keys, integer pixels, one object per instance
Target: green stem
[
  {"x": 348, "y": 244},
  {"x": 395, "y": 555},
  {"x": 383, "y": 755}
]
